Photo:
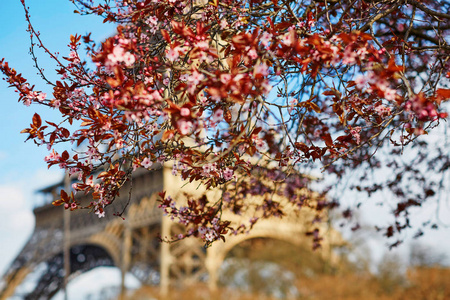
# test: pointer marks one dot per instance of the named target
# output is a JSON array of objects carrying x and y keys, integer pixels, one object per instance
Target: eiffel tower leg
[
  {"x": 13, "y": 282},
  {"x": 126, "y": 258},
  {"x": 213, "y": 261},
  {"x": 165, "y": 258}
]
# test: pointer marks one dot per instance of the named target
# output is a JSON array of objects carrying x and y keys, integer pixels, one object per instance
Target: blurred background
[{"x": 255, "y": 269}]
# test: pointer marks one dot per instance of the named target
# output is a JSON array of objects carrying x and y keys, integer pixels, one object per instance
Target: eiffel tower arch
[
  {"x": 132, "y": 244},
  {"x": 282, "y": 231},
  {"x": 291, "y": 228}
]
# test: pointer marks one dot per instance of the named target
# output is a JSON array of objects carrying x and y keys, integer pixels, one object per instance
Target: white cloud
[
  {"x": 17, "y": 223},
  {"x": 17, "y": 219},
  {"x": 11, "y": 198},
  {"x": 16, "y": 216},
  {"x": 22, "y": 219},
  {"x": 44, "y": 177}
]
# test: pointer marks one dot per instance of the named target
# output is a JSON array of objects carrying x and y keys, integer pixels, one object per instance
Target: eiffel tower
[{"x": 133, "y": 245}]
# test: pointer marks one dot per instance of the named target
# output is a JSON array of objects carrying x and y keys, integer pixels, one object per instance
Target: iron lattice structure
[{"x": 133, "y": 244}]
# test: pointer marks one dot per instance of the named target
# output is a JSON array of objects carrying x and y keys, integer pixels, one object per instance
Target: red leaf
[
  {"x": 443, "y": 93},
  {"x": 102, "y": 174},
  {"x": 327, "y": 138},
  {"x": 64, "y": 196},
  {"x": 314, "y": 106},
  {"x": 65, "y": 155},
  {"x": 257, "y": 130},
  {"x": 251, "y": 150},
  {"x": 65, "y": 132},
  {"x": 167, "y": 135},
  {"x": 57, "y": 202},
  {"x": 165, "y": 35},
  {"x": 51, "y": 123},
  {"x": 37, "y": 120},
  {"x": 301, "y": 146}
]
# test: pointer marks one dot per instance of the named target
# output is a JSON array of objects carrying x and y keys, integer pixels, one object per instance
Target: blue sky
[{"x": 23, "y": 170}]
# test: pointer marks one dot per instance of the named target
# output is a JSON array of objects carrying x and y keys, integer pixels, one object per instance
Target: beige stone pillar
[
  {"x": 126, "y": 257},
  {"x": 214, "y": 260},
  {"x": 165, "y": 257}
]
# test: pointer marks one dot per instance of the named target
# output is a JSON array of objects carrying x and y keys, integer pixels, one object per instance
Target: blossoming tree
[{"x": 233, "y": 91}]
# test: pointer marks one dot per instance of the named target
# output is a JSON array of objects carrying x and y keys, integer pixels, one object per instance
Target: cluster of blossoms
[
  {"x": 260, "y": 144},
  {"x": 119, "y": 55},
  {"x": 198, "y": 218},
  {"x": 34, "y": 96},
  {"x": 370, "y": 82},
  {"x": 424, "y": 109},
  {"x": 383, "y": 110},
  {"x": 192, "y": 83},
  {"x": 152, "y": 22}
]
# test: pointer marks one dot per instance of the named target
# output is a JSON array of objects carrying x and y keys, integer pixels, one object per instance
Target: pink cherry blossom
[
  {"x": 172, "y": 55},
  {"x": 203, "y": 45},
  {"x": 119, "y": 55},
  {"x": 252, "y": 54},
  {"x": 217, "y": 116},
  {"x": 260, "y": 145},
  {"x": 349, "y": 56},
  {"x": 100, "y": 213},
  {"x": 52, "y": 156},
  {"x": 195, "y": 77},
  {"x": 228, "y": 174},
  {"x": 265, "y": 38},
  {"x": 223, "y": 24},
  {"x": 184, "y": 126},
  {"x": 355, "y": 133},
  {"x": 193, "y": 80},
  {"x": 146, "y": 163},
  {"x": 292, "y": 104},
  {"x": 361, "y": 81},
  {"x": 184, "y": 111},
  {"x": 261, "y": 69},
  {"x": 41, "y": 97},
  {"x": 287, "y": 39},
  {"x": 128, "y": 59},
  {"x": 225, "y": 78},
  {"x": 390, "y": 94}
]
